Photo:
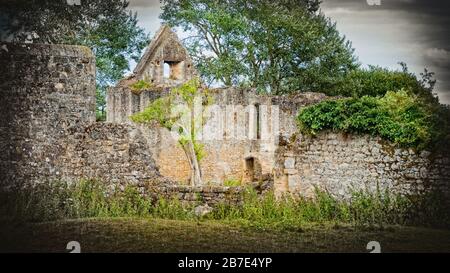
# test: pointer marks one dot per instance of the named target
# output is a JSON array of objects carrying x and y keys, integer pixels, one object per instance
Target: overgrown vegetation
[
  {"x": 182, "y": 113},
  {"x": 89, "y": 199},
  {"x": 140, "y": 85},
  {"x": 400, "y": 117},
  {"x": 59, "y": 200},
  {"x": 232, "y": 183},
  {"x": 377, "y": 81},
  {"x": 365, "y": 209}
]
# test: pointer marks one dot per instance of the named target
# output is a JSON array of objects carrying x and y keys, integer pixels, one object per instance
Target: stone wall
[
  {"x": 45, "y": 90},
  {"x": 47, "y": 125},
  {"x": 114, "y": 153},
  {"x": 234, "y": 115},
  {"x": 341, "y": 163}
]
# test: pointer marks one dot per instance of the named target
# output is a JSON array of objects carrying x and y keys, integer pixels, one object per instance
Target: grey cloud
[{"x": 416, "y": 31}]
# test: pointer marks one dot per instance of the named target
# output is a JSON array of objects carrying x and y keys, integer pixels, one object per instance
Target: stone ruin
[{"x": 48, "y": 132}]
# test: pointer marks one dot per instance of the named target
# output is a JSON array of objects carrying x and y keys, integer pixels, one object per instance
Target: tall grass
[
  {"x": 85, "y": 199},
  {"x": 365, "y": 209}
]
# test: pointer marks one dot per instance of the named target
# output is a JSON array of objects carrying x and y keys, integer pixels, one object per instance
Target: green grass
[
  {"x": 46, "y": 217},
  {"x": 232, "y": 183},
  {"x": 161, "y": 235}
]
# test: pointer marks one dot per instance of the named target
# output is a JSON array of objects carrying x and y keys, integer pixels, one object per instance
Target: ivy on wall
[{"x": 399, "y": 117}]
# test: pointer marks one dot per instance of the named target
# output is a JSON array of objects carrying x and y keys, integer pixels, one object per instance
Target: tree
[
  {"x": 107, "y": 27},
  {"x": 376, "y": 81},
  {"x": 183, "y": 113},
  {"x": 276, "y": 46}
]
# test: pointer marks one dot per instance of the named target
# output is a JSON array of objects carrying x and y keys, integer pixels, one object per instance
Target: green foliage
[
  {"x": 140, "y": 85},
  {"x": 232, "y": 183},
  {"x": 158, "y": 111},
  {"x": 107, "y": 27},
  {"x": 399, "y": 117},
  {"x": 365, "y": 209},
  {"x": 377, "y": 81},
  {"x": 167, "y": 112},
  {"x": 171, "y": 209},
  {"x": 276, "y": 46}
]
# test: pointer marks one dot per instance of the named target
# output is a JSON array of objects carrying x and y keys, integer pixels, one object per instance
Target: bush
[
  {"x": 377, "y": 81},
  {"x": 399, "y": 117}
]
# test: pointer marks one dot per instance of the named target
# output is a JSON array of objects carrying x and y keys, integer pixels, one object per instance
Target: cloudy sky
[{"x": 413, "y": 31}]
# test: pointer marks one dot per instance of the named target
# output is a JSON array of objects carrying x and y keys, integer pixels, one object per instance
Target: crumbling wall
[
  {"x": 232, "y": 120},
  {"x": 341, "y": 164},
  {"x": 45, "y": 90},
  {"x": 114, "y": 153},
  {"x": 47, "y": 125},
  {"x": 165, "y": 49}
]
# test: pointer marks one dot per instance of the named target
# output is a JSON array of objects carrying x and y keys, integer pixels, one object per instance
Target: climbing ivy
[{"x": 399, "y": 117}]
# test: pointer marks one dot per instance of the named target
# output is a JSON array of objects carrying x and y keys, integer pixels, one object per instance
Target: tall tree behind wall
[
  {"x": 275, "y": 46},
  {"x": 107, "y": 27}
]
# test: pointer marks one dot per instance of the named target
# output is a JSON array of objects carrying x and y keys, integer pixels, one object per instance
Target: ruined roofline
[{"x": 148, "y": 54}]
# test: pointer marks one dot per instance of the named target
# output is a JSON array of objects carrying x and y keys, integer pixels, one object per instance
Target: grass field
[{"x": 158, "y": 235}]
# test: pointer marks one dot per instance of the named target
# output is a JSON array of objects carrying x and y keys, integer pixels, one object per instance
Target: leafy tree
[
  {"x": 107, "y": 27},
  {"x": 377, "y": 81},
  {"x": 182, "y": 113},
  {"x": 277, "y": 46}
]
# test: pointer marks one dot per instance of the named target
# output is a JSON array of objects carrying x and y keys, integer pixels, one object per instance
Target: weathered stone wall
[
  {"x": 233, "y": 124},
  {"x": 114, "y": 153},
  {"x": 45, "y": 90},
  {"x": 341, "y": 163},
  {"x": 165, "y": 49},
  {"x": 47, "y": 125}
]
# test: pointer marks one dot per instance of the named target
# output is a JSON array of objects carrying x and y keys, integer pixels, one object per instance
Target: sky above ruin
[{"x": 413, "y": 31}]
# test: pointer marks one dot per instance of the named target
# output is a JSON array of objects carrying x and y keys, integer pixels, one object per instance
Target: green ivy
[
  {"x": 399, "y": 117},
  {"x": 140, "y": 85}
]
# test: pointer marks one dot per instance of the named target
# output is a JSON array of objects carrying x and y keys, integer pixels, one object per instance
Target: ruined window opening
[
  {"x": 166, "y": 70},
  {"x": 250, "y": 168},
  {"x": 173, "y": 70},
  {"x": 258, "y": 125}
]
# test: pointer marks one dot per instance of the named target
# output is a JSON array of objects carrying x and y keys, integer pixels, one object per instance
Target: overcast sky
[{"x": 413, "y": 31}]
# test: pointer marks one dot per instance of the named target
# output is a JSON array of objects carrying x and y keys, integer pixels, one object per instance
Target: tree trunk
[{"x": 196, "y": 175}]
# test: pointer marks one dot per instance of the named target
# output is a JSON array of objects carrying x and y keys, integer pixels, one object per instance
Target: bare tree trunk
[{"x": 196, "y": 175}]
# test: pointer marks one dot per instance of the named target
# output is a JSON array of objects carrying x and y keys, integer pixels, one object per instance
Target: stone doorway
[{"x": 252, "y": 171}]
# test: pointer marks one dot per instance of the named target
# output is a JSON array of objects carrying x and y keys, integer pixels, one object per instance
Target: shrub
[
  {"x": 398, "y": 117},
  {"x": 377, "y": 81}
]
